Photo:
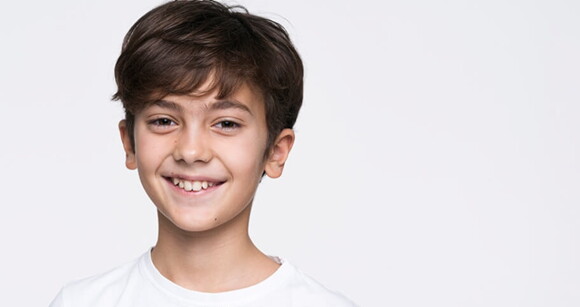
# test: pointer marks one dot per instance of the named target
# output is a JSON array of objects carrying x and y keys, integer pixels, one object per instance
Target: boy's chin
[
  {"x": 179, "y": 224},
  {"x": 194, "y": 224}
]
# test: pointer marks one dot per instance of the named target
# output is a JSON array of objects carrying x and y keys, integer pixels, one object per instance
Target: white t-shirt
[{"x": 139, "y": 284}]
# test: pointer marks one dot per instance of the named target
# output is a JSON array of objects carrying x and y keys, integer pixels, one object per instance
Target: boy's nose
[{"x": 192, "y": 146}]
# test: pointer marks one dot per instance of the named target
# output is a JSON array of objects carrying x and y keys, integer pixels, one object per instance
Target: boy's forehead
[{"x": 215, "y": 88}]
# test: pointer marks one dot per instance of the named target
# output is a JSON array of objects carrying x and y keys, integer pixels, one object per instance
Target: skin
[{"x": 203, "y": 242}]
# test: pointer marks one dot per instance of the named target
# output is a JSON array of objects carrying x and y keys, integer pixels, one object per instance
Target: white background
[{"x": 437, "y": 160}]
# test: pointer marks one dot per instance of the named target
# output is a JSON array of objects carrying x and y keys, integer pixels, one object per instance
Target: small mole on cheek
[{"x": 215, "y": 219}]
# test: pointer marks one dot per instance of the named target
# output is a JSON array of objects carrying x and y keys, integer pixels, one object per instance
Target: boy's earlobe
[
  {"x": 130, "y": 161},
  {"x": 279, "y": 153}
]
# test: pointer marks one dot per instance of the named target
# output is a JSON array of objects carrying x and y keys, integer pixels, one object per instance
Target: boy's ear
[
  {"x": 279, "y": 153},
  {"x": 130, "y": 160}
]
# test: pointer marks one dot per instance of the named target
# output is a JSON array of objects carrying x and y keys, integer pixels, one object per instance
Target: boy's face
[{"x": 201, "y": 159}]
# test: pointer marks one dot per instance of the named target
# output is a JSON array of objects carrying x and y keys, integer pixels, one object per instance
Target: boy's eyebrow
[
  {"x": 168, "y": 105},
  {"x": 218, "y": 105},
  {"x": 229, "y": 104}
]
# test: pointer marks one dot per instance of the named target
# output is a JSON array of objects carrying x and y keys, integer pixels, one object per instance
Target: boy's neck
[{"x": 218, "y": 260}]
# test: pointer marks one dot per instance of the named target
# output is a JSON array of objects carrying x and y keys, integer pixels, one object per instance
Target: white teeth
[{"x": 195, "y": 186}]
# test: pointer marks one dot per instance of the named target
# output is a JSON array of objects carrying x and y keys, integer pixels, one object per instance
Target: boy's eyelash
[
  {"x": 166, "y": 122},
  {"x": 162, "y": 121},
  {"x": 227, "y": 125}
]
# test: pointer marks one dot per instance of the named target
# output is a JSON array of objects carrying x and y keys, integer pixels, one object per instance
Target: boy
[{"x": 211, "y": 94}]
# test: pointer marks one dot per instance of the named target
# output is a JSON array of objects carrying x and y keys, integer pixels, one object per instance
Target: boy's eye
[
  {"x": 162, "y": 122},
  {"x": 227, "y": 125}
]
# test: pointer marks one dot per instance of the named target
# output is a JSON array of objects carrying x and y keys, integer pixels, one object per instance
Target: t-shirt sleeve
[{"x": 58, "y": 300}]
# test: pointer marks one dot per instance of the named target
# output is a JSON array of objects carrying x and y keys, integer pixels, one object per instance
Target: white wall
[{"x": 437, "y": 160}]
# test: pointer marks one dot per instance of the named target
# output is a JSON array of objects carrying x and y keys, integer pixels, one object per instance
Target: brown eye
[
  {"x": 226, "y": 124},
  {"x": 162, "y": 122}
]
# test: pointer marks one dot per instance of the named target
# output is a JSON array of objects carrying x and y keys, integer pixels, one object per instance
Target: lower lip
[{"x": 192, "y": 193}]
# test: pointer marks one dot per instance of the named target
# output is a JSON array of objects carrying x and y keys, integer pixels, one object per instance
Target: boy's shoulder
[
  {"x": 90, "y": 291},
  {"x": 309, "y": 292},
  {"x": 138, "y": 283}
]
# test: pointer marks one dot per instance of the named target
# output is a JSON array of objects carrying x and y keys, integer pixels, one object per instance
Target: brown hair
[{"x": 176, "y": 47}]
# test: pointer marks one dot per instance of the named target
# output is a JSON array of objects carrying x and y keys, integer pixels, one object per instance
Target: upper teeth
[{"x": 192, "y": 185}]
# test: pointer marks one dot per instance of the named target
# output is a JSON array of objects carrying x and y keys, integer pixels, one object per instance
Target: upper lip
[{"x": 194, "y": 178}]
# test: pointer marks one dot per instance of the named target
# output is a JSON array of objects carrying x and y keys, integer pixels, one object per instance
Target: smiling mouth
[{"x": 195, "y": 185}]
